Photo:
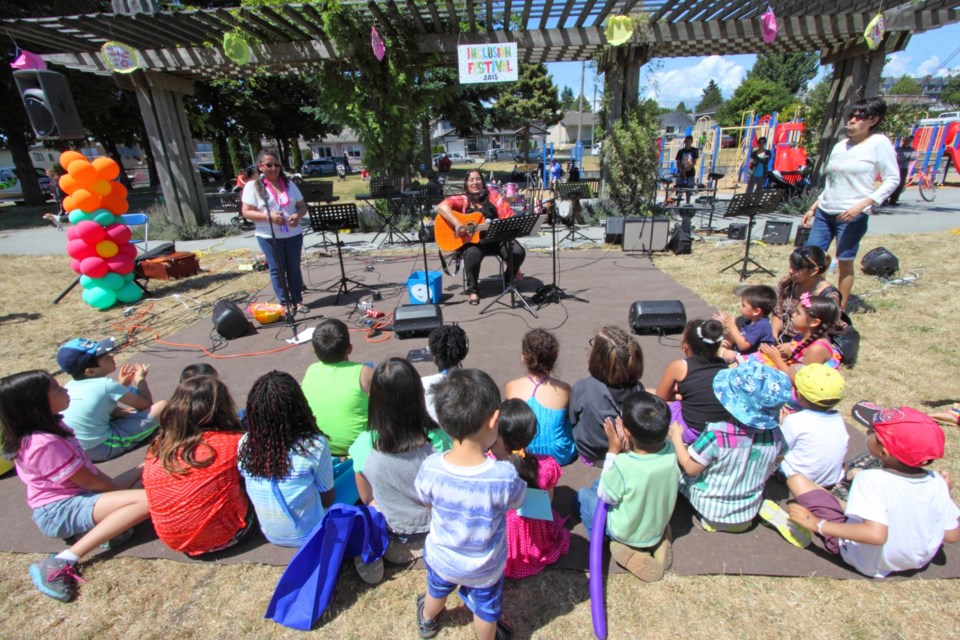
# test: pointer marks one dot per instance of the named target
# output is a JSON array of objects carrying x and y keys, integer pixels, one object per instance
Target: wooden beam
[
  {"x": 381, "y": 18},
  {"x": 545, "y": 14},
  {"x": 585, "y": 14},
  {"x": 281, "y": 21},
  {"x": 308, "y": 25},
  {"x": 471, "y": 16},
  {"x": 414, "y": 11}
]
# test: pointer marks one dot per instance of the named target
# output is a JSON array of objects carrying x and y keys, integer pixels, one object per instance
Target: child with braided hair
[
  {"x": 448, "y": 346},
  {"x": 813, "y": 318},
  {"x": 285, "y": 461}
]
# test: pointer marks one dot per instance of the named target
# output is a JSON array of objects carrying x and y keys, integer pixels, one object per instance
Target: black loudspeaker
[
  {"x": 880, "y": 262},
  {"x": 49, "y": 103},
  {"x": 775, "y": 232},
  {"x": 412, "y": 320},
  {"x": 229, "y": 320},
  {"x": 681, "y": 243},
  {"x": 803, "y": 234},
  {"x": 614, "y": 230},
  {"x": 737, "y": 230},
  {"x": 636, "y": 233},
  {"x": 658, "y": 316}
]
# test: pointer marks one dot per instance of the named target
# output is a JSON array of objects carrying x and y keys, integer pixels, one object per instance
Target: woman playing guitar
[{"x": 462, "y": 213}]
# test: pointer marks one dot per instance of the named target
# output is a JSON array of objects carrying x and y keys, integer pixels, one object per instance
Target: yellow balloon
[
  {"x": 107, "y": 248},
  {"x": 100, "y": 187}
]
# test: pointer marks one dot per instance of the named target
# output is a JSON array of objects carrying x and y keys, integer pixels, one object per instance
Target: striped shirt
[
  {"x": 738, "y": 462},
  {"x": 467, "y": 541}
]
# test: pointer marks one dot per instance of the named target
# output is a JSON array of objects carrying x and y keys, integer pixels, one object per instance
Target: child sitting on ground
[
  {"x": 639, "y": 481},
  {"x": 615, "y": 366},
  {"x": 104, "y": 430},
  {"x": 337, "y": 388},
  {"x": 285, "y": 462},
  {"x": 547, "y": 396},
  {"x": 813, "y": 317},
  {"x": 896, "y": 517},
  {"x": 532, "y": 544},
  {"x": 469, "y": 495},
  {"x": 448, "y": 345},
  {"x": 386, "y": 457},
  {"x": 69, "y": 496},
  {"x": 196, "y": 497},
  {"x": 725, "y": 469},
  {"x": 687, "y": 385},
  {"x": 752, "y": 328}
]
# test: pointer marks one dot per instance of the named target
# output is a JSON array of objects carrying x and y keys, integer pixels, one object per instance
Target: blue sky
[{"x": 683, "y": 79}]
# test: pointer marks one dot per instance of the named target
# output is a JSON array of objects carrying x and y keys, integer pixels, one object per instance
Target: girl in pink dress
[{"x": 532, "y": 545}]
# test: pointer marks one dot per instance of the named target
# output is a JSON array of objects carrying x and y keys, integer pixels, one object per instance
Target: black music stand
[
  {"x": 389, "y": 189},
  {"x": 751, "y": 204},
  {"x": 710, "y": 199},
  {"x": 571, "y": 191},
  {"x": 333, "y": 217},
  {"x": 504, "y": 232}
]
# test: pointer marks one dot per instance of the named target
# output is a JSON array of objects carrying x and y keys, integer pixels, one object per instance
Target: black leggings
[{"x": 473, "y": 255}]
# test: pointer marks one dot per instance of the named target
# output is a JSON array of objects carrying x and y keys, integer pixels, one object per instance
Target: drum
[
  {"x": 511, "y": 190},
  {"x": 493, "y": 186}
]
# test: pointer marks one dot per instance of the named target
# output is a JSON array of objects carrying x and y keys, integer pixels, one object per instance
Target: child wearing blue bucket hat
[{"x": 725, "y": 469}]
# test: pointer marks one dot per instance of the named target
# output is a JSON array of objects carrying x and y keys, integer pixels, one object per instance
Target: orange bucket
[{"x": 265, "y": 313}]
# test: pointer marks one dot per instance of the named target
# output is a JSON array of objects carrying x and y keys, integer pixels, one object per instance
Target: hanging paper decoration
[
  {"x": 236, "y": 48},
  {"x": 99, "y": 243},
  {"x": 27, "y": 60},
  {"x": 619, "y": 30},
  {"x": 768, "y": 25},
  {"x": 875, "y": 31},
  {"x": 376, "y": 43},
  {"x": 119, "y": 57}
]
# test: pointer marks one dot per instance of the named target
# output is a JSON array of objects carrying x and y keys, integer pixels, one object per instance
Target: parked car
[
  {"x": 504, "y": 154},
  {"x": 455, "y": 158},
  {"x": 324, "y": 167},
  {"x": 208, "y": 175},
  {"x": 10, "y": 187},
  {"x": 727, "y": 141}
]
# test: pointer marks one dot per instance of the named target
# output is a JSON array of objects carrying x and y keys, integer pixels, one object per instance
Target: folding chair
[{"x": 139, "y": 220}]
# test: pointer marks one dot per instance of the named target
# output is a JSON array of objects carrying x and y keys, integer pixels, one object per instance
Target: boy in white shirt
[{"x": 898, "y": 516}]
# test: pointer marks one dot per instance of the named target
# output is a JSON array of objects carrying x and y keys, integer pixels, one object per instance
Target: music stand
[
  {"x": 504, "y": 232},
  {"x": 333, "y": 217},
  {"x": 711, "y": 199},
  {"x": 389, "y": 189},
  {"x": 571, "y": 191},
  {"x": 751, "y": 204}
]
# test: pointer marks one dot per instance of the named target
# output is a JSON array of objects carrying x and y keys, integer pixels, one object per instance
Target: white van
[{"x": 11, "y": 189}]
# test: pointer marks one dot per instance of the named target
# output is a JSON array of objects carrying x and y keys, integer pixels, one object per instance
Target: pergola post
[{"x": 621, "y": 85}]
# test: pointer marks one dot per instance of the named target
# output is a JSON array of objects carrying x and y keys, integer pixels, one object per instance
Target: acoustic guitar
[{"x": 446, "y": 236}]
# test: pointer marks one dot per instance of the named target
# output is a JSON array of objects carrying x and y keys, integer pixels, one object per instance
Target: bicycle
[{"x": 924, "y": 181}]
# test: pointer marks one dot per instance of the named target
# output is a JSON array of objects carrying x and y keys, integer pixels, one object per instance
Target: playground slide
[{"x": 953, "y": 153}]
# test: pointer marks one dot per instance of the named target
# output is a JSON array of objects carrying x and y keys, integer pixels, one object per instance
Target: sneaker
[
  {"x": 504, "y": 631},
  {"x": 639, "y": 563},
  {"x": 369, "y": 572},
  {"x": 773, "y": 515},
  {"x": 711, "y": 527},
  {"x": 663, "y": 553},
  {"x": 55, "y": 578},
  {"x": 118, "y": 540},
  {"x": 427, "y": 628},
  {"x": 302, "y": 308}
]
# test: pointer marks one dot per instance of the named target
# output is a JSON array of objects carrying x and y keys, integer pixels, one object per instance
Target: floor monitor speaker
[
  {"x": 777, "y": 232},
  {"x": 737, "y": 230},
  {"x": 229, "y": 321},
  {"x": 803, "y": 234},
  {"x": 412, "y": 320},
  {"x": 658, "y": 316},
  {"x": 636, "y": 233}
]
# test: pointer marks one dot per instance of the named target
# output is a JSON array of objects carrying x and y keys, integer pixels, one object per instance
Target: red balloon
[
  {"x": 90, "y": 232},
  {"x": 94, "y": 267},
  {"x": 119, "y": 233},
  {"x": 120, "y": 264},
  {"x": 79, "y": 249},
  {"x": 72, "y": 233},
  {"x": 75, "y": 265},
  {"x": 128, "y": 250}
]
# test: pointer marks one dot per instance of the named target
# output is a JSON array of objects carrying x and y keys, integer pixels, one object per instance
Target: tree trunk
[
  {"x": 427, "y": 156},
  {"x": 296, "y": 155},
  {"x": 20, "y": 152},
  {"x": 238, "y": 158}
]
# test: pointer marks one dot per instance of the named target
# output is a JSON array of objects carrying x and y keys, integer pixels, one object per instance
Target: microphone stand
[{"x": 552, "y": 292}]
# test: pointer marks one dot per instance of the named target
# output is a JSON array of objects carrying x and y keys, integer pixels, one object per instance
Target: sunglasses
[
  {"x": 857, "y": 115},
  {"x": 269, "y": 165}
]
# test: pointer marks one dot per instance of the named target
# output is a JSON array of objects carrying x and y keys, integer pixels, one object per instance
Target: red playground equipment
[{"x": 936, "y": 141}]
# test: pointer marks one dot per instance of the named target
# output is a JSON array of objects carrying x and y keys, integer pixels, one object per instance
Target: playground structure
[
  {"x": 936, "y": 140},
  {"x": 783, "y": 139}
]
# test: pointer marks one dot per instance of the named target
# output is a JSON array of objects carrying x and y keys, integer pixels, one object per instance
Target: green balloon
[
  {"x": 103, "y": 218},
  {"x": 79, "y": 215},
  {"x": 128, "y": 277},
  {"x": 100, "y": 298},
  {"x": 129, "y": 292},
  {"x": 112, "y": 281},
  {"x": 86, "y": 282}
]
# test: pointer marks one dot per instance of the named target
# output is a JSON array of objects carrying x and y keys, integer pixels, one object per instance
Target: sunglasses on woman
[
  {"x": 269, "y": 165},
  {"x": 857, "y": 115}
]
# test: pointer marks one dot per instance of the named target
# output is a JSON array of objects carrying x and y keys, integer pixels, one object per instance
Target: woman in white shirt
[
  {"x": 849, "y": 195},
  {"x": 274, "y": 201}
]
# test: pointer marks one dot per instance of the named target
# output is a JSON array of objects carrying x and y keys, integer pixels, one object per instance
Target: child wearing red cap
[{"x": 897, "y": 516}]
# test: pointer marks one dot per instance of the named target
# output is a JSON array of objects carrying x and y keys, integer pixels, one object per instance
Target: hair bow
[
  {"x": 805, "y": 300},
  {"x": 520, "y": 452}
]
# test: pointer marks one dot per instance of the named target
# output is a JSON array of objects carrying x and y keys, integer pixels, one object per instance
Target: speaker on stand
[{"x": 49, "y": 104}]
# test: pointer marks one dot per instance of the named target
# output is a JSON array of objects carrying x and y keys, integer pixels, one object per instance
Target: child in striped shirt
[{"x": 725, "y": 469}]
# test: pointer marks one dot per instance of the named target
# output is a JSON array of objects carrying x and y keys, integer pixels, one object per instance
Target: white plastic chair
[{"x": 139, "y": 220}]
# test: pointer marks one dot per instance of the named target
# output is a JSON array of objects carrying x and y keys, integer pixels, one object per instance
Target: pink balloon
[
  {"x": 79, "y": 249},
  {"x": 75, "y": 265},
  {"x": 128, "y": 250},
  {"x": 90, "y": 232},
  {"x": 72, "y": 233},
  {"x": 120, "y": 264},
  {"x": 119, "y": 233},
  {"x": 94, "y": 267}
]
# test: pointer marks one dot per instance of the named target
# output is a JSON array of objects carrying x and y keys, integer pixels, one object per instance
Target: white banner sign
[{"x": 488, "y": 62}]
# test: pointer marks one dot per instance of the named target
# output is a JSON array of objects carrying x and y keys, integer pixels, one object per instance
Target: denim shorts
[
  {"x": 71, "y": 516},
  {"x": 126, "y": 434},
  {"x": 826, "y": 227},
  {"x": 485, "y": 602}
]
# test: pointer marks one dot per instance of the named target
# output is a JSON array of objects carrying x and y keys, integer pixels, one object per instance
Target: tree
[
  {"x": 631, "y": 157},
  {"x": 567, "y": 99},
  {"x": 816, "y": 104},
  {"x": 533, "y": 98},
  {"x": 793, "y": 71},
  {"x": 900, "y": 119},
  {"x": 711, "y": 99},
  {"x": 905, "y": 86},
  {"x": 951, "y": 92},
  {"x": 754, "y": 94},
  {"x": 682, "y": 108},
  {"x": 581, "y": 101}
]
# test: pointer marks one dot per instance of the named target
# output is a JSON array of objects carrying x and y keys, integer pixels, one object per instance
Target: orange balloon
[
  {"x": 107, "y": 168},
  {"x": 116, "y": 206},
  {"x": 82, "y": 171},
  {"x": 117, "y": 190},
  {"x": 69, "y": 156},
  {"x": 107, "y": 248},
  {"x": 68, "y": 184},
  {"x": 100, "y": 187},
  {"x": 86, "y": 200},
  {"x": 68, "y": 204}
]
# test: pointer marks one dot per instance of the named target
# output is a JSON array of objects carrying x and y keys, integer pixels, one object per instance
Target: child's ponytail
[
  {"x": 518, "y": 426},
  {"x": 819, "y": 308},
  {"x": 703, "y": 337}
]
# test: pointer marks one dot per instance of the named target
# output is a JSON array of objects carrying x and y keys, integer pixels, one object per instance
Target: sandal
[
  {"x": 862, "y": 462},
  {"x": 950, "y": 417},
  {"x": 426, "y": 628},
  {"x": 474, "y": 301}
]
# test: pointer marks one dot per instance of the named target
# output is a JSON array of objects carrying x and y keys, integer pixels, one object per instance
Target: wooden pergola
[{"x": 175, "y": 51}]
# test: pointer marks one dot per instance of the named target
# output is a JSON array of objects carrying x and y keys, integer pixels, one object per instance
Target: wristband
[
  {"x": 133, "y": 390},
  {"x": 820, "y": 527}
]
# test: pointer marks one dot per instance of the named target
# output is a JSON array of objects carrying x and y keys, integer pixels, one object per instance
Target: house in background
[
  {"x": 345, "y": 144},
  {"x": 675, "y": 123},
  {"x": 444, "y": 135},
  {"x": 564, "y": 134}
]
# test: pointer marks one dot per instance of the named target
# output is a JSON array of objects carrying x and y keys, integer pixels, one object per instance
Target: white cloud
[
  {"x": 687, "y": 83},
  {"x": 897, "y": 65},
  {"x": 929, "y": 65}
]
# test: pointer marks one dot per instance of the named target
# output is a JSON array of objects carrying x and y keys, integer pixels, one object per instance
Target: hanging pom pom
[
  {"x": 768, "y": 25},
  {"x": 379, "y": 50},
  {"x": 619, "y": 30},
  {"x": 875, "y": 32}
]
